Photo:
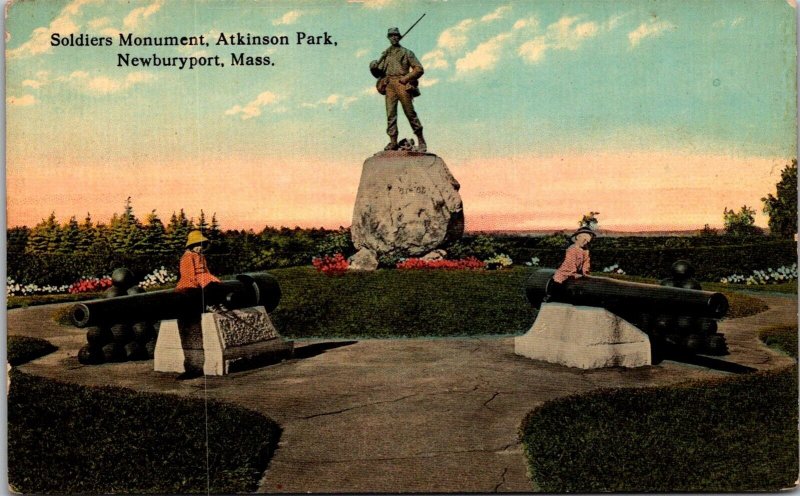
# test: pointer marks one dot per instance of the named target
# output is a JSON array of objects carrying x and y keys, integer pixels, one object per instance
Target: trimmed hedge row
[
  {"x": 641, "y": 256},
  {"x": 710, "y": 263},
  {"x": 70, "y": 439},
  {"x": 728, "y": 435}
]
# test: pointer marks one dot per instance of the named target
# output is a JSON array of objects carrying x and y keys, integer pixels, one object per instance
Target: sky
[{"x": 657, "y": 114}]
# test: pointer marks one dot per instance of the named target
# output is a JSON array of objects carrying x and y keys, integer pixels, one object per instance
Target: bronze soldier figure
[{"x": 398, "y": 70}]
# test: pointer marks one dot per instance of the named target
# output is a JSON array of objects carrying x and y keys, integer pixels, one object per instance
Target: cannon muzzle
[
  {"x": 247, "y": 290},
  {"x": 625, "y": 296}
]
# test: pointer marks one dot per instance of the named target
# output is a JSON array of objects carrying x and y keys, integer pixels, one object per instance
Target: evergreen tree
[
  {"x": 70, "y": 236},
  {"x": 214, "y": 233},
  {"x": 88, "y": 233},
  {"x": 177, "y": 231},
  {"x": 126, "y": 231},
  {"x": 202, "y": 224},
  {"x": 17, "y": 239},
  {"x": 45, "y": 236},
  {"x": 782, "y": 209},
  {"x": 154, "y": 241}
]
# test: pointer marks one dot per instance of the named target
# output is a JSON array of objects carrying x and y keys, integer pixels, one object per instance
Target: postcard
[{"x": 424, "y": 246}]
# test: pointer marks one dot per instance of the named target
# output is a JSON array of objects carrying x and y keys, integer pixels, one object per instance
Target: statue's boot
[
  {"x": 392, "y": 143},
  {"x": 422, "y": 147}
]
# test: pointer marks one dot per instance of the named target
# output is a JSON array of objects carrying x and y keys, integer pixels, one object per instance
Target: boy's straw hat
[{"x": 196, "y": 238}]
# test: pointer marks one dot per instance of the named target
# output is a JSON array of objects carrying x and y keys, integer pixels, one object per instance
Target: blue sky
[{"x": 702, "y": 88}]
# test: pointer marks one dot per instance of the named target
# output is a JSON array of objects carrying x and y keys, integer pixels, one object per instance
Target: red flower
[
  {"x": 419, "y": 264},
  {"x": 331, "y": 265}
]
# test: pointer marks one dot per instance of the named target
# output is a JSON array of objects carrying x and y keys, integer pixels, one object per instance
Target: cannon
[
  {"x": 673, "y": 317},
  {"x": 247, "y": 290},
  {"x": 623, "y": 297}
]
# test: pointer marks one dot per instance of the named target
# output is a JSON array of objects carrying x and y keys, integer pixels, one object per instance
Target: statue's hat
[{"x": 393, "y": 31}]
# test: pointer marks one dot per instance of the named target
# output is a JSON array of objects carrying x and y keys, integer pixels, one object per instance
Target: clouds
[
  {"x": 22, "y": 101},
  {"x": 485, "y": 55},
  {"x": 253, "y": 108},
  {"x": 288, "y": 18},
  {"x": 66, "y": 22},
  {"x": 71, "y": 20},
  {"x": 650, "y": 29},
  {"x": 97, "y": 84},
  {"x": 477, "y": 45},
  {"x": 565, "y": 34}
]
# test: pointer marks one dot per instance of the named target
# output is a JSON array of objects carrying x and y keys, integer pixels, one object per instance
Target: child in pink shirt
[{"x": 575, "y": 264}]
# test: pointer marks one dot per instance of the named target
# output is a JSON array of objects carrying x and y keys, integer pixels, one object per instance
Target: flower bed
[
  {"x": 420, "y": 264},
  {"x": 331, "y": 264},
  {"x": 90, "y": 285},
  {"x": 759, "y": 277}
]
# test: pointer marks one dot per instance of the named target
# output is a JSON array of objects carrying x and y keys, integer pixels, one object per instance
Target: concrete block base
[
  {"x": 584, "y": 337},
  {"x": 217, "y": 341}
]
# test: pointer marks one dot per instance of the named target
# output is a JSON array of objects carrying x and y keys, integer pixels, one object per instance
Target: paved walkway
[{"x": 416, "y": 415}]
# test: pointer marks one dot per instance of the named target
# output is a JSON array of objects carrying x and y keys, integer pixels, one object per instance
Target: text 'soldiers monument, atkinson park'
[{"x": 408, "y": 203}]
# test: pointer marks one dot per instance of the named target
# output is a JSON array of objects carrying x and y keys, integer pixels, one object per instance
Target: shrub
[{"x": 23, "y": 349}]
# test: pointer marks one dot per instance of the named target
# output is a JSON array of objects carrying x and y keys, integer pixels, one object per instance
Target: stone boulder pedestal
[
  {"x": 407, "y": 205},
  {"x": 584, "y": 337}
]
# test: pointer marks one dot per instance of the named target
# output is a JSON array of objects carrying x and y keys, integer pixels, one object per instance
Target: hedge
[
  {"x": 70, "y": 439},
  {"x": 642, "y": 256},
  {"x": 710, "y": 263}
]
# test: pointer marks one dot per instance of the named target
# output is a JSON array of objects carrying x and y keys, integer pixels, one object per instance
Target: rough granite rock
[
  {"x": 407, "y": 205},
  {"x": 363, "y": 260},
  {"x": 434, "y": 256},
  {"x": 584, "y": 337}
]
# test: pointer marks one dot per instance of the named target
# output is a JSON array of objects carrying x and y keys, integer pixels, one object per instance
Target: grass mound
[
  {"x": 782, "y": 338},
  {"x": 70, "y": 439},
  {"x": 23, "y": 349},
  {"x": 398, "y": 303},
  {"x": 735, "y": 434}
]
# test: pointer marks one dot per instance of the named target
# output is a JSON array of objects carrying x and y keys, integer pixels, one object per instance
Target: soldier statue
[{"x": 398, "y": 71}]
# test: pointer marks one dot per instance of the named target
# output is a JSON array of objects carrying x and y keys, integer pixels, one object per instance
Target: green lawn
[
  {"x": 23, "y": 349},
  {"x": 734, "y": 434},
  {"x": 70, "y": 439}
]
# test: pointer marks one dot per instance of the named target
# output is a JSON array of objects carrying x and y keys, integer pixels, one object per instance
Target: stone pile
[{"x": 120, "y": 342}]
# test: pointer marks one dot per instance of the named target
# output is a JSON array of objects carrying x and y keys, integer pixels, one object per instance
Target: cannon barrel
[
  {"x": 247, "y": 290},
  {"x": 623, "y": 295}
]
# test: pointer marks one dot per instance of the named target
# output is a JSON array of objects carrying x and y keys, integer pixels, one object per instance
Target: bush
[
  {"x": 23, "y": 349},
  {"x": 397, "y": 303},
  {"x": 70, "y": 439},
  {"x": 737, "y": 434}
]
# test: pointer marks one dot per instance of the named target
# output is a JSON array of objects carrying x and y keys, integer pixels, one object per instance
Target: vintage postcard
[{"x": 373, "y": 246}]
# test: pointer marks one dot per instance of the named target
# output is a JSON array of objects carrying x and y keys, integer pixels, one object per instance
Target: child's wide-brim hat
[
  {"x": 583, "y": 230},
  {"x": 196, "y": 238}
]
